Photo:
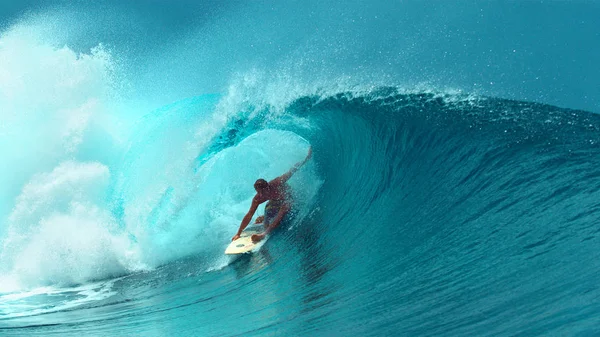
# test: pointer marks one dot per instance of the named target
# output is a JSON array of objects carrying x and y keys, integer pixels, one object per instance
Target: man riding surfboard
[{"x": 278, "y": 194}]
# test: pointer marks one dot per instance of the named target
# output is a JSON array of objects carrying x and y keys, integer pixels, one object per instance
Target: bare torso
[{"x": 277, "y": 192}]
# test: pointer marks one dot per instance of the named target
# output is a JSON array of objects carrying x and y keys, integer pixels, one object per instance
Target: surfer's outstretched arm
[
  {"x": 286, "y": 176},
  {"x": 247, "y": 218}
]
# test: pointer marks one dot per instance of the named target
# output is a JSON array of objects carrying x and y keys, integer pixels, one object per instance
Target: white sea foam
[
  {"x": 60, "y": 231},
  {"x": 25, "y": 303}
]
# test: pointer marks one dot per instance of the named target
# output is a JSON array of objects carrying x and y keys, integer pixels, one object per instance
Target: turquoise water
[{"x": 453, "y": 188}]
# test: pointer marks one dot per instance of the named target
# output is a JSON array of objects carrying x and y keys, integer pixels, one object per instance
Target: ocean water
[{"x": 454, "y": 188}]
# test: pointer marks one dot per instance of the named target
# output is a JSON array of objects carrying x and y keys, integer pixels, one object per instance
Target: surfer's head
[{"x": 260, "y": 185}]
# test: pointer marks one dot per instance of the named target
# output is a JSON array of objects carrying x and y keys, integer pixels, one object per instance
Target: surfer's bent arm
[
  {"x": 282, "y": 212},
  {"x": 286, "y": 176},
  {"x": 247, "y": 217}
]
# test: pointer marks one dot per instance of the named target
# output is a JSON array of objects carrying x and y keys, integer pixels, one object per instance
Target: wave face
[{"x": 423, "y": 211}]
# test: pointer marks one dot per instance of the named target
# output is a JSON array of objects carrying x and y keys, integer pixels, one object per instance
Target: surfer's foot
[{"x": 257, "y": 237}]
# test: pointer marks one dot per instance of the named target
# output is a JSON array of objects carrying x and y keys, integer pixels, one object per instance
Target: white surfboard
[{"x": 244, "y": 244}]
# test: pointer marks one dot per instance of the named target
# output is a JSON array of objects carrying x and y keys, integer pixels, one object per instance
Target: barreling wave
[
  {"x": 445, "y": 213},
  {"x": 461, "y": 215}
]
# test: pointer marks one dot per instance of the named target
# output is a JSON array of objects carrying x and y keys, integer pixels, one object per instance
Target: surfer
[{"x": 277, "y": 193}]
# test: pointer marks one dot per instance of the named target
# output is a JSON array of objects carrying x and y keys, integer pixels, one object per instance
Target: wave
[
  {"x": 414, "y": 198},
  {"x": 424, "y": 209},
  {"x": 419, "y": 195},
  {"x": 451, "y": 210}
]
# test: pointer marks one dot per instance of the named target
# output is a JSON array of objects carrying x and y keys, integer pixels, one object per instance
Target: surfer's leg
[
  {"x": 266, "y": 223},
  {"x": 271, "y": 210}
]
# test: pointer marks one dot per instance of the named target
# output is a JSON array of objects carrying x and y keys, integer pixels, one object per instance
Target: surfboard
[{"x": 244, "y": 244}]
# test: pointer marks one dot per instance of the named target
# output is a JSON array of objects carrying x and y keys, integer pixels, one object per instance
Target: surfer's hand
[
  {"x": 260, "y": 219},
  {"x": 235, "y": 237},
  {"x": 257, "y": 237}
]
